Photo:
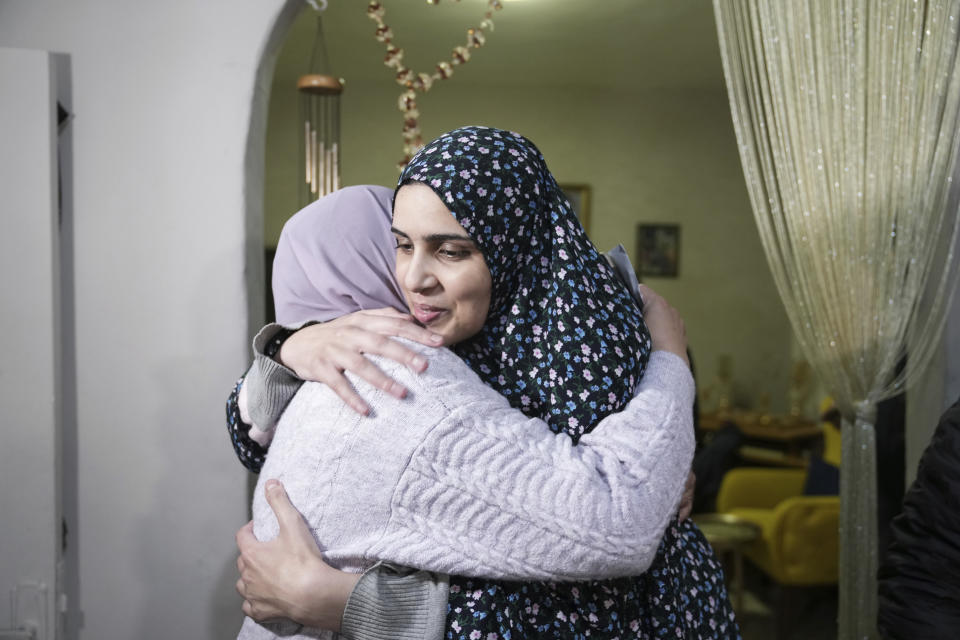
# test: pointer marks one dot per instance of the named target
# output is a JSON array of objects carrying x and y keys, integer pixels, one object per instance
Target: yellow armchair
[{"x": 798, "y": 541}]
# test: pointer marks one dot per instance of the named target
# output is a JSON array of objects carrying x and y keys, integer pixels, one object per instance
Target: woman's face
[{"x": 442, "y": 273}]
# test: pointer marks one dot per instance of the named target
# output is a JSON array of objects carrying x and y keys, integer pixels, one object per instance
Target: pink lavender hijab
[{"x": 337, "y": 256}]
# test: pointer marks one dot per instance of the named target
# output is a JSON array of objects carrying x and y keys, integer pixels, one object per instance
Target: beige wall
[{"x": 648, "y": 157}]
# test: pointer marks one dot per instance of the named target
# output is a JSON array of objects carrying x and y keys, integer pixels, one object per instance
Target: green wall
[{"x": 666, "y": 157}]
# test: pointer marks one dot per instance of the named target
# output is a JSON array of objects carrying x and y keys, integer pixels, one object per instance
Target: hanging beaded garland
[{"x": 422, "y": 82}]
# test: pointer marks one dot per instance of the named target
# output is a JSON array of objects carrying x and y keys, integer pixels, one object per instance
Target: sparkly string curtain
[{"x": 846, "y": 116}]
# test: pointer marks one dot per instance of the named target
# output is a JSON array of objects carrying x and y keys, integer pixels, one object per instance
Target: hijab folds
[
  {"x": 336, "y": 256},
  {"x": 564, "y": 339}
]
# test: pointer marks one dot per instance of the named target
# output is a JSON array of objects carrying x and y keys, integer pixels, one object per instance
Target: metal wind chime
[{"x": 320, "y": 116}]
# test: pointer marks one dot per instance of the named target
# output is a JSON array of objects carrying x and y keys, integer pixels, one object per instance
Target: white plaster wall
[{"x": 162, "y": 95}]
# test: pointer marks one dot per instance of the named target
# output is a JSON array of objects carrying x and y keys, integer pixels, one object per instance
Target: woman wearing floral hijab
[{"x": 564, "y": 342}]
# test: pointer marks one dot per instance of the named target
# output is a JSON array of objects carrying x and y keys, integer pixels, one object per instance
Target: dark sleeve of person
[
  {"x": 919, "y": 581},
  {"x": 249, "y": 452}
]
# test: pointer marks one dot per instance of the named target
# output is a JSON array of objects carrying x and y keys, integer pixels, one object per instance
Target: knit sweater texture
[{"x": 452, "y": 479}]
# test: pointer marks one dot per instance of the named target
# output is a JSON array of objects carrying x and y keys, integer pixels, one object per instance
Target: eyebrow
[{"x": 437, "y": 237}]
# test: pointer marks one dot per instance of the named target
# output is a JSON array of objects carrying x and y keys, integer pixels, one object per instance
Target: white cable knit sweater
[{"x": 452, "y": 479}]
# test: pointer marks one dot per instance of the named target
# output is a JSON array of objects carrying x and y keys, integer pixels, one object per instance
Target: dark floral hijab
[{"x": 564, "y": 339}]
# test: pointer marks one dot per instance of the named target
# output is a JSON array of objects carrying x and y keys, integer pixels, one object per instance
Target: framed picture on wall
[
  {"x": 658, "y": 250},
  {"x": 579, "y": 197}
]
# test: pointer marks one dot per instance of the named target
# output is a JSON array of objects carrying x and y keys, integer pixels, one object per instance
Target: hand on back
[
  {"x": 667, "y": 331},
  {"x": 323, "y": 352}
]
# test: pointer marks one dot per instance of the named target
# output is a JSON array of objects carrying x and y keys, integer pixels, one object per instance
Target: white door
[{"x": 30, "y": 393}]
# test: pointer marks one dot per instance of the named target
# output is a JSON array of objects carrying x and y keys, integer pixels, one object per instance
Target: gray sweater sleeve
[
  {"x": 396, "y": 603},
  {"x": 269, "y": 384}
]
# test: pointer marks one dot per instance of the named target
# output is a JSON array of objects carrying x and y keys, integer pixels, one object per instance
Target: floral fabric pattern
[
  {"x": 564, "y": 339},
  {"x": 682, "y": 595}
]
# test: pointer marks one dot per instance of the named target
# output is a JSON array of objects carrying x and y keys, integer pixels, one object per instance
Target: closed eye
[{"x": 454, "y": 252}]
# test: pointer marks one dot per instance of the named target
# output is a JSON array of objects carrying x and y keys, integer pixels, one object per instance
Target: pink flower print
[
  {"x": 525, "y": 401},
  {"x": 492, "y": 636},
  {"x": 483, "y": 150},
  {"x": 455, "y": 626},
  {"x": 618, "y": 351},
  {"x": 537, "y": 353},
  {"x": 553, "y": 374},
  {"x": 537, "y": 329},
  {"x": 562, "y": 254},
  {"x": 576, "y": 594},
  {"x": 477, "y": 594},
  {"x": 475, "y": 634},
  {"x": 508, "y": 192},
  {"x": 611, "y": 397},
  {"x": 618, "y": 371},
  {"x": 560, "y": 616},
  {"x": 573, "y": 422},
  {"x": 446, "y": 155},
  {"x": 590, "y": 321},
  {"x": 496, "y": 165},
  {"x": 455, "y": 588},
  {"x": 560, "y": 232},
  {"x": 481, "y": 192},
  {"x": 514, "y": 152},
  {"x": 585, "y": 348},
  {"x": 584, "y": 395},
  {"x": 464, "y": 174},
  {"x": 592, "y": 617},
  {"x": 608, "y": 288},
  {"x": 587, "y": 376},
  {"x": 535, "y": 609},
  {"x": 562, "y": 274},
  {"x": 514, "y": 309},
  {"x": 543, "y": 261},
  {"x": 634, "y": 625},
  {"x": 435, "y": 183},
  {"x": 510, "y": 328}
]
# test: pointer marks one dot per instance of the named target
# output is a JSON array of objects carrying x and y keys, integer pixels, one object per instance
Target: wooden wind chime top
[
  {"x": 320, "y": 84},
  {"x": 423, "y": 81}
]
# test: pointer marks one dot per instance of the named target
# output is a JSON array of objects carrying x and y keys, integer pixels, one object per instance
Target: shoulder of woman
[{"x": 446, "y": 374}]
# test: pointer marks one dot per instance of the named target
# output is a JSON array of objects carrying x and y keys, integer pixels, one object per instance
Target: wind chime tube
[
  {"x": 316, "y": 167},
  {"x": 335, "y": 122},
  {"x": 306, "y": 150},
  {"x": 336, "y": 167}
]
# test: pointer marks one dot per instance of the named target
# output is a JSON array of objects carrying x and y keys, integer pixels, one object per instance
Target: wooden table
[{"x": 771, "y": 439}]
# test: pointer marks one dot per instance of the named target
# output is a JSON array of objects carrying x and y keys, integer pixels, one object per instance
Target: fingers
[
  {"x": 288, "y": 518},
  {"x": 245, "y": 536},
  {"x": 345, "y": 391},
  {"x": 390, "y": 349},
  {"x": 390, "y": 322}
]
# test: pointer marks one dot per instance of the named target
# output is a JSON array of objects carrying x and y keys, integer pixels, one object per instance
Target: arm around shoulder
[{"x": 490, "y": 492}]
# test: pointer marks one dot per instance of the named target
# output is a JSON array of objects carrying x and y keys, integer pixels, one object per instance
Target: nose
[{"x": 419, "y": 275}]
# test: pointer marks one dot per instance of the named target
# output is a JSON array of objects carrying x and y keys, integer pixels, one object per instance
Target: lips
[{"x": 426, "y": 314}]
